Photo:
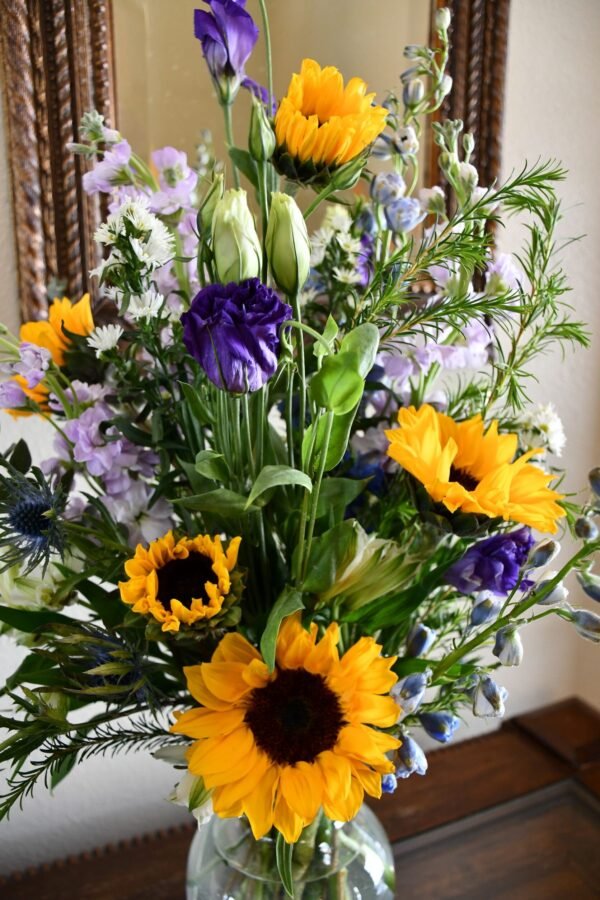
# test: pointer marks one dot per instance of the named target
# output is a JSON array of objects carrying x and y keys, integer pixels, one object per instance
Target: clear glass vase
[{"x": 332, "y": 861}]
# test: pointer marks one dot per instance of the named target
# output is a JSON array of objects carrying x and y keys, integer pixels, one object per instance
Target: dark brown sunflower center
[
  {"x": 464, "y": 477},
  {"x": 295, "y": 717},
  {"x": 183, "y": 579}
]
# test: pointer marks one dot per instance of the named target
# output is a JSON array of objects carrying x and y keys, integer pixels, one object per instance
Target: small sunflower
[
  {"x": 321, "y": 125},
  {"x": 279, "y": 746},
  {"x": 466, "y": 467},
  {"x": 75, "y": 318},
  {"x": 184, "y": 582}
]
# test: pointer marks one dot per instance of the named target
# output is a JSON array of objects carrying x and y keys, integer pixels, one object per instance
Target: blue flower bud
[
  {"x": 594, "y": 479},
  {"x": 420, "y": 640},
  {"x": 439, "y": 725},
  {"x": 404, "y": 215},
  {"x": 557, "y": 595},
  {"x": 413, "y": 92},
  {"x": 387, "y": 187},
  {"x": 587, "y": 624},
  {"x": 508, "y": 647},
  {"x": 488, "y": 698},
  {"x": 586, "y": 529},
  {"x": 410, "y": 758},
  {"x": 485, "y": 611},
  {"x": 409, "y": 692},
  {"x": 543, "y": 554},
  {"x": 590, "y": 584},
  {"x": 389, "y": 783}
]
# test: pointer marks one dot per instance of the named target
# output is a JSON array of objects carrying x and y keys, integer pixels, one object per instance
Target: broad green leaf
[
  {"x": 338, "y": 441},
  {"x": 244, "y": 162},
  {"x": 337, "y": 493},
  {"x": 329, "y": 334},
  {"x": 212, "y": 465},
  {"x": 29, "y": 621},
  {"x": 20, "y": 457},
  {"x": 272, "y": 476},
  {"x": 329, "y": 554},
  {"x": 288, "y": 602},
  {"x": 30, "y": 671},
  {"x": 137, "y": 436},
  {"x": 363, "y": 342},
  {"x": 283, "y": 857},
  {"x": 338, "y": 386},
  {"x": 192, "y": 399},
  {"x": 222, "y": 502}
]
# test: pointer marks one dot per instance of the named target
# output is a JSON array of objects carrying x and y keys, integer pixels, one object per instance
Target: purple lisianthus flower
[
  {"x": 261, "y": 93},
  {"x": 33, "y": 363},
  {"x": 493, "y": 564},
  {"x": 232, "y": 330},
  {"x": 111, "y": 170},
  {"x": 228, "y": 35}
]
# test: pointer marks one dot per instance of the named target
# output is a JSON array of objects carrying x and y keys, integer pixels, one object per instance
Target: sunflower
[
  {"x": 184, "y": 582},
  {"x": 321, "y": 125},
  {"x": 74, "y": 318},
  {"x": 279, "y": 746},
  {"x": 466, "y": 467}
]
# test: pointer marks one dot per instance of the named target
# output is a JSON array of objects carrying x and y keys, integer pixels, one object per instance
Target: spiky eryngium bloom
[{"x": 31, "y": 523}]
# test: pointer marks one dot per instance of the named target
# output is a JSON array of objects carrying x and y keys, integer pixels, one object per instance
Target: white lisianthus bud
[
  {"x": 288, "y": 244},
  {"x": 236, "y": 246},
  {"x": 212, "y": 196}
]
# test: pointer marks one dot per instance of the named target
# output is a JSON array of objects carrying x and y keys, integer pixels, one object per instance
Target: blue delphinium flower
[
  {"x": 404, "y": 214},
  {"x": 439, "y": 725},
  {"x": 410, "y": 758},
  {"x": 389, "y": 783},
  {"x": 31, "y": 527},
  {"x": 420, "y": 640},
  {"x": 488, "y": 698},
  {"x": 493, "y": 564},
  {"x": 485, "y": 611},
  {"x": 228, "y": 35},
  {"x": 409, "y": 692},
  {"x": 232, "y": 330},
  {"x": 508, "y": 646}
]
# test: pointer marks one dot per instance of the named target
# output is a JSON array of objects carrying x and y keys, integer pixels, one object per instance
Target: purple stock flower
[
  {"x": 112, "y": 169},
  {"x": 11, "y": 395},
  {"x": 176, "y": 179},
  {"x": 33, "y": 363},
  {"x": 228, "y": 35},
  {"x": 232, "y": 330},
  {"x": 492, "y": 564}
]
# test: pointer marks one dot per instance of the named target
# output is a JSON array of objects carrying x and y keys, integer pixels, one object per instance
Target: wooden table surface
[{"x": 515, "y": 814}]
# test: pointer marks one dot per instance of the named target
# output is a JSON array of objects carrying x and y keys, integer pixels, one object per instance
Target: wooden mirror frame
[{"x": 58, "y": 62}]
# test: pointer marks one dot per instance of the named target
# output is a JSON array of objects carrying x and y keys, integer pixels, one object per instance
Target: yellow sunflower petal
[
  {"x": 302, "y": 788},
  {"x": 258, "y": 805},
  {"x": 289, "y": 823}
]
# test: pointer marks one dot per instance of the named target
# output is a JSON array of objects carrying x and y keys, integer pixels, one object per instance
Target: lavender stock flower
[
  {"x": 232, "y": 330},
  {"x": 228, "y": 35},
  {"x": 33, "y": 363},
  {"x": 493, "y": 564},
  {"x": 112, "y": 170}
]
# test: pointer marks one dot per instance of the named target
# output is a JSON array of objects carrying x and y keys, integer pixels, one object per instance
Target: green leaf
[
  {"x": 20, "y": 457},
  {"x": 137, "y": 436},
  {"x": 338, "y": 386},
  {"x": 61, "y": 771},
  {"x": 31, "y": 669},
  {"x": 212, "y": 465},
  {"x": 28, "y": 621},
  {"x": 244, "y": 162},
  {"x": 329, "y": 554},
  {"x": 329, "y": 334},
  {"x": 272, "y": 476},
  {"x": 192, "y": 399},
  {"x": 288, "y": 602},
  {"x": 337, "y": 493},
  {"x": 362, "y": 342},
  {"x": 338, "y": 441},
  {"x": 222, "y": 502},
  {"x": 107, "y": 604},
  {"x": 283, "y": 858}
]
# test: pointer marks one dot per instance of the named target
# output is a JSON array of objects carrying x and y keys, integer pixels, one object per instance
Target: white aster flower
[
  {"x": 146, "y": 306},
  {"x": 104, "y": 337},
  {"x": 346, "y": 276},
  {"x": 542, "y": 425},
  {"x": 337, "y": 218},
  {"x": 319, "y": 242},
  {"x": 350, "y": 245}
]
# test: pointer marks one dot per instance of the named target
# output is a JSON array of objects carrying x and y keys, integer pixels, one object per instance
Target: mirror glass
[{"x": 164, "y": 92}]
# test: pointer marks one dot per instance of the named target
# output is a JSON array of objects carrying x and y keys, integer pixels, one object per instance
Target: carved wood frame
[
  {"x": 479, "y": 40},
  {"x": 57, "y": 63}
]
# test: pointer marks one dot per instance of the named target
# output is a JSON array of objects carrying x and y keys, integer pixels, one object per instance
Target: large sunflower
[
  {"x": 182, "y": 582},
  {"x": 279, "y": 746},
  {"x": 320, "y": 124},
  {"x": 466, "y": 467}
]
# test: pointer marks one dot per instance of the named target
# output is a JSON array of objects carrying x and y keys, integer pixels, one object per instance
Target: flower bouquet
[{"x": 297, "y": 508}]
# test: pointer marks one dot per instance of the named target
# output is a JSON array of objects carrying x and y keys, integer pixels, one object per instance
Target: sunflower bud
[
  {"x": 288, "y": 246},
  {"x": 236, "y": 246},
  {"x": 261, "y": 140},
  {"x": 209, "y": 202}
]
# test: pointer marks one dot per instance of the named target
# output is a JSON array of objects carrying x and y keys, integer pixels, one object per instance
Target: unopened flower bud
[
  {"x": 444, "y": 88},
  {"x": 443, "y": 17},
  {"x": 288, "y": 244},
  {"x": 557, "y": 595},
  {"x": 544, "y": 553},
  {"x": 348, "y": 175},
  {"x": 439, "y": 725},
  {"x": 586, "y": 529},
  {"x": 409, "y": 692},
  {"x": 587, "y": 624},
  {"x": 508, "y": 647},
  {"x": 261, "y": 140},
  {"x": 488, "y": 698},
  {"x": 485, "y": 611},
  {"x": 387, "y": 187},
  {"x": 207, "y": 207},
  {"x": 389, "y": 783},
  {"x": 420, "y": 640},
  {"x": 413, "y": 92},
  {"x": 410, "y": 758},
  {"x": 594, "y": 479},
  {"x": 413, "y": 51},
  {"x": 590, "y": 584},
  {"x": 433, "y": 200},
  {"x": 236, "y": 246},
  {"x": 468, "y": 143},
  {"x": 468, "y": 176},
  {"x": 406, "y": 140}
]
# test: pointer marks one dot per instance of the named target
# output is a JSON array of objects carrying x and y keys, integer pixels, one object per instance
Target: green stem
[
  {"x": 267, "y": 33},
  {"x": 323, "y": 195},
  {"x": 229, "y": 139},
  {"x": 301, "y": 367},
  {"x": 317, "y": 487},
  {"x": 263, "y": 195}
]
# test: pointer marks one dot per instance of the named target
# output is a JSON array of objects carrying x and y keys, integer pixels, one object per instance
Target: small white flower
[
  {"x": 105, "y": 337},
  {"x": 346, "y": 276},
  {"x": 543, "y": 425},
  {"x": 147, "y": 306},
  {"x": 337, "y": 218},
  {"x": 319, "y": 242},
  {"x": 433, "y": 200},
  {"x": 407, "y": 140},
  {"x": 191, "y": 792},
  {"x": 350, "y": 245}
]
